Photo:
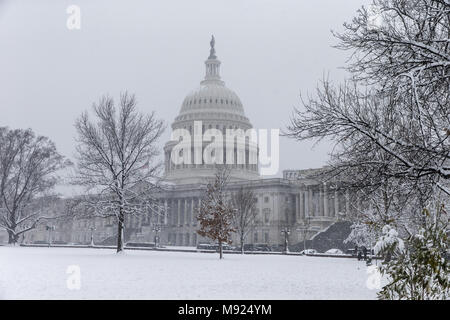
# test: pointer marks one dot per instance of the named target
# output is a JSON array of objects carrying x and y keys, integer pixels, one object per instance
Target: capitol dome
[
  {"x": 216, "y": 107},
  {"x": 212, "y": 101},
  {"x": 213, "y": 97}
]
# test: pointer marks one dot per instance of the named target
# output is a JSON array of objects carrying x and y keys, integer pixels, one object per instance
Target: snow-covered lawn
[{"x": 40, "y": 273}]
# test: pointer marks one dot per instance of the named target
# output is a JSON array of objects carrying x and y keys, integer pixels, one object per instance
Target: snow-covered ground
[{"x": 40, "y": 273}]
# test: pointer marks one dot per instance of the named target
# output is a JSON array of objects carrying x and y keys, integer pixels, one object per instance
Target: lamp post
[
  {"x": 50, "y": 229},
  {"x": 157, "y": 229},
  {"x": 286, "y": 231}
]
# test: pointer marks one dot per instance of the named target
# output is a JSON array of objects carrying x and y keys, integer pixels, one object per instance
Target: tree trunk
[
  {"x": 220, "y": 250},
  {"x": 12, "y": 239},
  {"x": 242, "y": 244},
  {"x": 120, "y": 238}
]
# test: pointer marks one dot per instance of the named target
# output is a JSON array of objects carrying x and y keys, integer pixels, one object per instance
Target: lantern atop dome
[{"x": 212, "y": 64}]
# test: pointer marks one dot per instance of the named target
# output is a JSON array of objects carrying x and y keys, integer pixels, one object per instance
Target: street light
[
  {"x": 157, "y": 229},
  {"x": 286, "y": 231}
]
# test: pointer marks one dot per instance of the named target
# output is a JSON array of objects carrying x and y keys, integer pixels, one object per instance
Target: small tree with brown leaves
[{"x": 216, "y": 213}]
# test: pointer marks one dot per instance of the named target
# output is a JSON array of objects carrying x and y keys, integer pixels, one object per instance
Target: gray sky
[{"x": 271, "y": 51}]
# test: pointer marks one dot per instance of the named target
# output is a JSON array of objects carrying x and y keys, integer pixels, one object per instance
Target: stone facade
[
  {"x": 280, "y": 203},
  {"x": 302, "y": 205}
]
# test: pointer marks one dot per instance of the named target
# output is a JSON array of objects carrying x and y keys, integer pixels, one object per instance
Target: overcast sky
[{"x": 271, "y": 51}]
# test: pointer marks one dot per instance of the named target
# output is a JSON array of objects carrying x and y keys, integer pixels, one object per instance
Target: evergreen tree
[{"x": 417, "y": 268}]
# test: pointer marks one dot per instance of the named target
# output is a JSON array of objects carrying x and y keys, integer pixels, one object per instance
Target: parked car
[
  {"x": 277, "y": 247},
  {"x": 262, "y": 247},
  {"x": 334, "y": 251},
  {"x": 224, "y": 247},
  {"x": 257, "y": 247},
  {"x": 228, "y": 247},
  {"x": 308, "y": 251},
  {"x": 40, "y": 242},
  {"x": 59, "y": 242},
  {"x": 209, "y": 246},
  {"x": 140, "y": 244},
  {"x": 205, "y": 246},
  {"x": 249, "y": 247}
]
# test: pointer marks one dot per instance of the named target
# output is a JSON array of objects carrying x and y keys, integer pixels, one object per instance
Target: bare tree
[
  {"x": 215, "y": 212},
  {"x": 117, "y": 160},
  {"x": 244, "y": 216},
  {"x": 28, "y": 167},
  {"x": 391, "y": 122},
  {"x": 397, "y": 131},
  {"x": 407, "y": 54},
  {"x": 404, "y": 46},
  {"x": 374, "y": 134}
]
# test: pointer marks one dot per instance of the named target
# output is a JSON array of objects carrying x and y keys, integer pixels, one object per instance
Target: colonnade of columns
[
  {"x": 175, "y": 212},
  {"x": 321, "y": 201},
  {"x": 182, "y": 211},
  {"x": 243, "y": 158}
]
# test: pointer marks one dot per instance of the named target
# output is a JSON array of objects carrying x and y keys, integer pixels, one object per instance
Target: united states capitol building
[{"x": 297, "y": 202}]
